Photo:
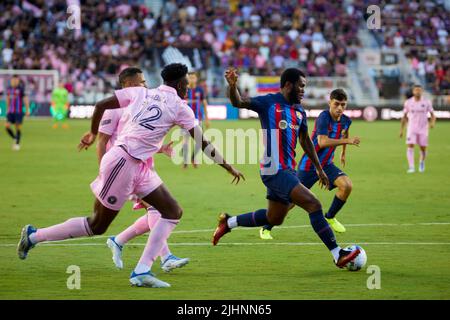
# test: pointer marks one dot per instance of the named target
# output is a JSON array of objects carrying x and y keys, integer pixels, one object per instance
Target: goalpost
[{"x": 38, "y": 87}]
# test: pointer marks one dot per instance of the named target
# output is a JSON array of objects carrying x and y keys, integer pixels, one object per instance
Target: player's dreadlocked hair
[
  {"x": 291, "y": 75},
  {"x": 128, "y": 72},
  {"x": 338, "y": 94},
  {"x": 174, "y": 72}
]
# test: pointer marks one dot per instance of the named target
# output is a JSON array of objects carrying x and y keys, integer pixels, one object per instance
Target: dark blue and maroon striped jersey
[
  {"x": 195, "y": 100},
  {"x": 15, "y": 96},
  {"x": 325, "y": 125},
  {"x": 282, "y": 123}
]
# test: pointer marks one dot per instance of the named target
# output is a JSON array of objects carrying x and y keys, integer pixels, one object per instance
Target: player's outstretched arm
[
  {"x": 432, "y": 120},
  {"x": 27, "y": 105},
  {"x": 205, "y": 109},
  {"x": 236, "y": 100},
  {"x": 100, "y": 107},
  {"x": 403, "y": 123},
  {"x": 103, "y": 140},
  {"x": 324, "y": 141},
  {"x": 209, "y": 149},
  {"x": 308, "y": 147},
  {"x": 344, "y": 147}
]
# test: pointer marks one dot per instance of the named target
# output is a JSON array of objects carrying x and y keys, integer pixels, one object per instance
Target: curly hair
[{"x": 174, "y": 72}]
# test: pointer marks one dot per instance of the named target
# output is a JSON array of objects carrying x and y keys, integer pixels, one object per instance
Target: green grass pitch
[{"x": 401, "y": 220}]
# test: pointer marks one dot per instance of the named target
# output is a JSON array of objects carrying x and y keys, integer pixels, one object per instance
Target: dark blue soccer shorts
[
  {"x": 15, "y": 118},
  {"x": 309, "y": 178},
  {"x": 280, "y": 185}
]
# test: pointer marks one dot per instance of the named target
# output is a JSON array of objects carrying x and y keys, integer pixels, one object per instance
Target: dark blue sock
[
  {"x": 323, "y": 230},
  {"x": 336, "y": 205},
  {"x": 10, "y": 132},
  {"x": 268, "y": 227},
  {"x": 18, "y": 134},
  {"x": 253, "y": 219}
]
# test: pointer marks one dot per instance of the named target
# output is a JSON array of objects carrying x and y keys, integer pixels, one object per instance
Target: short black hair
[
  {"x": 291, "y": 75},
  {"x": 128, "y": 72},
  {"x": 174, "y": 72},
  {"x": 338, "y": 94}
]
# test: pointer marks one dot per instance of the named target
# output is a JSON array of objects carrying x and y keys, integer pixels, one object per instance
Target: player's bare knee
[
  {"x": 313, "y": 205},
  {"x": 179, "y": 213},
  {"x": 347, "y": 187}
]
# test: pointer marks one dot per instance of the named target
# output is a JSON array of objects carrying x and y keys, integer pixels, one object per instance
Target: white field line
[
  {"x": 265, "y": 243},
  {"x": 285, "y": 227}
]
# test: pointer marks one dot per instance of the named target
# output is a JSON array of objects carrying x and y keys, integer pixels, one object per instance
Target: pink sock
[
  {"x": 72, "y": 228},
  {"x": 158, "y": 237},
  {"x": 410, "y": 156},
  {"x": 423, "y": 154},
  {"x": 140, "y": 226},
  {"x": 153, "y": 217}
]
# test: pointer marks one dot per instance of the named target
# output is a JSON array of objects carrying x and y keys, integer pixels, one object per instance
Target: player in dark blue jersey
[
  {"x": 284, "y": 122},
  {"x": 196, "y": 99},
  {"x": 331, "y": 129},
  {"x": 16, "y": 99}
]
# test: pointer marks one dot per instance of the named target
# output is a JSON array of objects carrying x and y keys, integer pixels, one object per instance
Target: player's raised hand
[
  {"x": 354, "y": 141},
  {"x": 237, "y": 175},
  {"x": 86, "y": 141},
  {"x": 231, "y": 76},
  {"x": 323, "y": 179}
]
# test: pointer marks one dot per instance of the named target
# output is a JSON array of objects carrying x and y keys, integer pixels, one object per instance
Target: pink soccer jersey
[
  {"x": 417, "y": 115},
  {"x": 149, "y": 115},
  {"x": 111, "y": 125}
]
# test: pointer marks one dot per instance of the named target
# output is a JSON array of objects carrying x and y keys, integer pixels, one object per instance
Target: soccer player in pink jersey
[
  {"x": 109, "y": 130},
  {"x": 415, "y": 113},
  {"x": 148, "y": 117}
]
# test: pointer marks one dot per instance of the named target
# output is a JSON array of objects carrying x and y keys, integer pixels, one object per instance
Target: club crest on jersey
[
  {"x": 299, "y": 115},
  {"x": 112, "y": 200},
  {"x": 283, "y": 125}
]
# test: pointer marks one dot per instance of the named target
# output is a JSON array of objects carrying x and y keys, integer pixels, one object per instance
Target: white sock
[
  {"x": 141, "y": 268},
  {"x": 118, "y": 242},
  {"x": 32, "y": 238},
  {"x": 164, "y": 258},
  {"x": 232, "y": 222},
  {"x": 335, "y": 253}
]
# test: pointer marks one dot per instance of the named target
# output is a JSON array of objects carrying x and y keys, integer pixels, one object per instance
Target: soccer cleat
[
  {"x": 346, "y": 256},
  {"x": 335, "y": 225},
  {"x": 116, "y": 250},
  {"x": 222, "y": 228},
  {"x": 147, "y": 279},
  {"x": 422, "y": 166},
  {"x": 411, "y": 170},
  {"x": 265, "y": 234},
  {"x": 173, "y": 262},
  {"x": 25, "y": 243},
  {"x": 16, "y": 147}
]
